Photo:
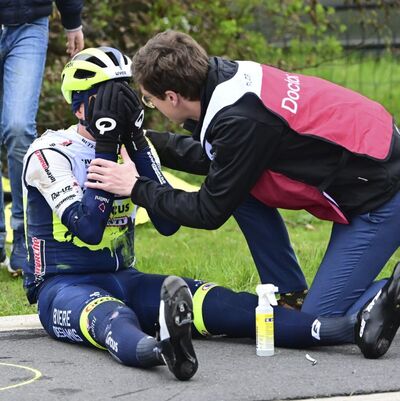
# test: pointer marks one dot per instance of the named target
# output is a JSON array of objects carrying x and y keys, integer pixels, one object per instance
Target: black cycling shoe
[
  {"x": 176, "y": 316},
  {"x": 379, "y": 319}
]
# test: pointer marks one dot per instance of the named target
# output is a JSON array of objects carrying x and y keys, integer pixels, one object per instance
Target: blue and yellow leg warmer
[{"x": 220, "y": 311}]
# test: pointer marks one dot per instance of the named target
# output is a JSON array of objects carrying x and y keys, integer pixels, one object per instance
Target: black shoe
[
  {"x": 379, "y": 319},
  {"x": 176, "y": 316}
]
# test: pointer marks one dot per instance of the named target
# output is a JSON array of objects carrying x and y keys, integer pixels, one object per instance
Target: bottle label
[{"x": 265, "y": 331}]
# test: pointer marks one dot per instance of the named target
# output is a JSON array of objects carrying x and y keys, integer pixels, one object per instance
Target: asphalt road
[{"x": 35, "y": 367}]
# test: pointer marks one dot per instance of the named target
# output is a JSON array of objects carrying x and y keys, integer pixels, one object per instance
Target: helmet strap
[
  {"x": 84, "y": 121},
  {"x": 82, "y": 97}
]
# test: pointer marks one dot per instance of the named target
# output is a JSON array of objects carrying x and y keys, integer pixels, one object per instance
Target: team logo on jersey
[
  {"x": 38, "y": 248},
  {"x": 45, "y": 165},
  {"x": 105, "y": 124},
  {"x": 87, "y": 143},
  {"x": 62, "y": 191},
  {"x": 111, "y": 342},
  {"x": 207, "y": 286},
  {"x": 86, "y": 162},
  {"x": 103, "y": 200}
]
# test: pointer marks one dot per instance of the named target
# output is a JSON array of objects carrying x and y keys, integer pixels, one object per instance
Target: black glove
[
  {"x": 107, "y": 117},
  {"x": 133, "y": 137}
]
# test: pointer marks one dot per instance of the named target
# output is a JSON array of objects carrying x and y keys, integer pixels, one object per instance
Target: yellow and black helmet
[{"x": 92, "y": 66}]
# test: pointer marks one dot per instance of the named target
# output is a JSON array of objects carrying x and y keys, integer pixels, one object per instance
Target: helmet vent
[
  {"x": 96, "y": 61},
  {"x": 83, "y": 74},
  {"x": 113, "y": 58}
]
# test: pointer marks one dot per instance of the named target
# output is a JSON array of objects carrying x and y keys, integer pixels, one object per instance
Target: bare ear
[
  {"x": 80, "y": 114},
  {"x": 172, "y": 97}
]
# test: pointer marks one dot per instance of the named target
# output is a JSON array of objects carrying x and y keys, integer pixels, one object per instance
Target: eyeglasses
[{"x": 147, "y": 102}]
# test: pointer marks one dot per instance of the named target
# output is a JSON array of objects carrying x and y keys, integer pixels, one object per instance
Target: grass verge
[{"x": 220, "y": 256}]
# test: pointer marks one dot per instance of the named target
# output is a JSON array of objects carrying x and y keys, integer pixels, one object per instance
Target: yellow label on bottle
[{"x": 265, "y": 330}]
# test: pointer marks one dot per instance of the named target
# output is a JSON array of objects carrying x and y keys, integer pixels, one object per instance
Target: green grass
[
  {"x": 12, "y": 296},
  {"x": 220, "y": 256}
]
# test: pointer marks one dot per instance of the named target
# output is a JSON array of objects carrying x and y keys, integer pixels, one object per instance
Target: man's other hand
[{"x": 75, "y": 41}]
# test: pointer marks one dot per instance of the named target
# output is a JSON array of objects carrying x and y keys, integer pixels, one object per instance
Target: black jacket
[
  {"x": 247, "y": 139},
  {"x": 17, "y": 12}
]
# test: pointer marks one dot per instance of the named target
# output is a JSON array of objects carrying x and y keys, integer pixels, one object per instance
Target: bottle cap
[{"x": 266, "y": 294}]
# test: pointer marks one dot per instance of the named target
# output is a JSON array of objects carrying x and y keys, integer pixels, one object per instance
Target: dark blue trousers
[
  {"x": 355, "y": 255},
  {"x": 269, "y": 244},
  {"x": 115, "y": 311}
]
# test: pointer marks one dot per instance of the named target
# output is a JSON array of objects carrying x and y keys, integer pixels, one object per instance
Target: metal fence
[{"x": 371, "y": 42}]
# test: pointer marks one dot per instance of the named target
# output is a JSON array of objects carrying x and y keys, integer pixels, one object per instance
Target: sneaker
[
  {"x": 4, "y": 262},
  {"x": 19, "y": 254},
  {"x": 176, "y": 316},
  {"x": 379, "y": 319}
]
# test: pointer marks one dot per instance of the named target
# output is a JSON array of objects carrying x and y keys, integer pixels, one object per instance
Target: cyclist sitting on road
[{"x": 81, "y": 246}]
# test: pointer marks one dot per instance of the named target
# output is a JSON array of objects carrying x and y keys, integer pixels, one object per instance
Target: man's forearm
[
  {"x": 191, "y": 209},
  {"x": 179, "y": 152},
  {"x": 147, "y": 166}
]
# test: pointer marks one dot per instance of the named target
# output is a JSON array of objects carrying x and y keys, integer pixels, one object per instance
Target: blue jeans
[{"x": 22, "y": 59}]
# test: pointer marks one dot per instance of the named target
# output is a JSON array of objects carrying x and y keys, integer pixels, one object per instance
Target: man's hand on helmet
[{"x": 106, "y": 117}]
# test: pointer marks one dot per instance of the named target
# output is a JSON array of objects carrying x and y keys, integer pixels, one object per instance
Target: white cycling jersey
[{"x": 55, "y": 169}]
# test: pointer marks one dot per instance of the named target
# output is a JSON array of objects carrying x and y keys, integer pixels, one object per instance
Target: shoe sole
[
  {"x": 389, "y": 329},
  {"x": 175, "y": 294}
]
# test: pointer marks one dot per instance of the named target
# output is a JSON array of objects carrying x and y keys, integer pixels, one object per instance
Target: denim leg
[
  {"x": 269, "y": 244},
  {"x": 2, "y": 216},
  {"x": 24, "y": 53},
  {"x": 355, "y": 256}
]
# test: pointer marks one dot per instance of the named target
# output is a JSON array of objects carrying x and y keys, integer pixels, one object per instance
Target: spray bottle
[{"x": 265, "y": 319}]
